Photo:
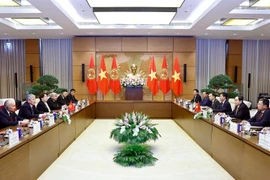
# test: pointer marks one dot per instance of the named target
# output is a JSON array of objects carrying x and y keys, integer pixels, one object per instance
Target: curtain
[
  {"x": 210, "y": 60},
  {"x": 56, "y": 59},
  {"x": 256, "y": 61},
  {"x": 12, "y": 61}
]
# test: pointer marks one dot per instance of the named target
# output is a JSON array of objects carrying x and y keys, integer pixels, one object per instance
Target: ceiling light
[
  {"x": 5, "y": 3},
  {"x": 135, "y": 15},
  {"x": 136, "y": 3},
  {"x": 238, "y": 22},
  {"x": 262, "y": 3},
  {"x": 30, "y": 21}
]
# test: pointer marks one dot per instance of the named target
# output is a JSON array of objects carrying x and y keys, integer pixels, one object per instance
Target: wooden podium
[{"x": 134, "y": 93}]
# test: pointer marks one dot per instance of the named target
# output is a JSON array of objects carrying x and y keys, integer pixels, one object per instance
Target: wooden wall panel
[
  {"x": 235, "y": 46},
  {"x": 134, "y": 44},
  {"x": 84, "y": 44},
  {"x": 109, "y": 44},
  {"x": 80, "y": 58},
  {"x": 32, "y": 57},
  {"x": 186, "y": 58},
  {"x": 160, "y": 44},
  {"x": 184, "y": 45}
]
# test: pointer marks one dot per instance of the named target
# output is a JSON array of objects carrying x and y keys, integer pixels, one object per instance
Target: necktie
[
  {"x": 11, "y": 119},
  {"x": 260, "y": 116},
  {"x": 237, "y": 110}
]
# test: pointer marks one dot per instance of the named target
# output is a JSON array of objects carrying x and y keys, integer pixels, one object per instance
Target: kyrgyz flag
[
  {"x": 91, "y": 77},
  {"x": 114, "y": 78},
  {"x": 103, "y": 83},
  {"x": 164, "y": 82},
  {"x": 152, "y": 81},
  {"x": 71, "y": 107},
  {"x": 176, "y": 82}
]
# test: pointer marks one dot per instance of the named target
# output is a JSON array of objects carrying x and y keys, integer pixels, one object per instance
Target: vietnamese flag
[
  {"x": 176, "y": 82},
  {"x": 164, "y": 82},
  {"x": 152, "y": 81},
  {"x": 91, "y": 77},
  {"x": 71, "y": 107},
  {"x": 103, "y": 83},
  {"x": 114, "y": 78}
]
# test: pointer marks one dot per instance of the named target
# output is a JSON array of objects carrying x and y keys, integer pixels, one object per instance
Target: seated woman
[{"x": 42, "y": 106}]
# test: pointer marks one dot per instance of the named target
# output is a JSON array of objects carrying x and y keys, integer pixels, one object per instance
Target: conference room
[{"x": 119, "y": 61}]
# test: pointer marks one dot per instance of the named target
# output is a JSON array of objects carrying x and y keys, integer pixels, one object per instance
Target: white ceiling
[{"x": 75, "y": 18}]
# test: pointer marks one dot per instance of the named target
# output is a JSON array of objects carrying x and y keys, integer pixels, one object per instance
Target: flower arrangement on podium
[
  {"x": 132, "y": 82},
  {"x": 134, "y": 129}
]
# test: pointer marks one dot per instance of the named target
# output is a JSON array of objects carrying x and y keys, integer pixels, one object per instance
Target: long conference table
[{"x": 238, "y": 154}]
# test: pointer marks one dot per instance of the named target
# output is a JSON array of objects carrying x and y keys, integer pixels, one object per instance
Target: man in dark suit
[
  {"x": 42, "y": 106},
  {"x": 28, "y": 109},
  {"x": 52, "y": 102},
  {"x": 241, "y": 110},
  {"x": 224, "y": 105},
  {"x": 262, "y": 117},
  {"x": 8, "y": 117},
  {"x": 214, "y": 101},
  {"x": 205, "y": 101},
  {"x": 62, "y": 100},
  {"x": 196, "y": 98},
  {"x": 71, "y": 96}
]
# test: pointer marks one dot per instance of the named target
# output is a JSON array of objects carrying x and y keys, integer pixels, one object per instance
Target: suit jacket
[
  {"x": 241, "y": 113},
  {"x": 28, "y": 112},
  {"x": 196, "y": 98},
  {"x": 53, "y": 104},
  {"x": 215, "y": 104},
  {"x": 42, "y": 107},
  {"x": 71, "y": 98},
  {"x": 61, "y": 100},
  {"x": 224, "y": 107},
  {"x": 5, "y": 118},
  {"x": 264, "y": 120},
  {"x": 206, "y": 102}
]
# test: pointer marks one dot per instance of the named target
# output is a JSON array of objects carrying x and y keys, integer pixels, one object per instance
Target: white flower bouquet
[{"x": 133, "y": 82}]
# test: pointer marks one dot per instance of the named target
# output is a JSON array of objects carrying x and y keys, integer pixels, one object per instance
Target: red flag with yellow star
[
  {"x": 114, "y": 78},
  {"x": 176, "y": 82},
  {"x": 164, "y": 82},
  {"x": 103, "y": 83},
  {"x": 152, "y": 81},
  {"x": 91, "y": 77}
]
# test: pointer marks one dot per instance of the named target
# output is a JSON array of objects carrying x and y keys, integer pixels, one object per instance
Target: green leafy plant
[
  {"x": 218, "y": 82},
  {"x": 47, "y": 83},
  {"x": 135, "y": 155},
  {"x": 134, "y": 129}
]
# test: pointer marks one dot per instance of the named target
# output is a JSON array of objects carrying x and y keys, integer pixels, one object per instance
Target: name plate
[
  {"x": 51, "y": 120},
  {"x": 234, "y": 127},
  {"x": 217, "y": 119},
  {"x": 36, "y": 127},
  {"x": 264, "y": 141},
  {"x": 13, "y": 139}
]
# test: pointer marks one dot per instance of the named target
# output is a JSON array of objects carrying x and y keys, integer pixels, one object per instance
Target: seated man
[
  {"x": 62, "y": 100},
  {"x": 262, "y": 117},
  {"x": 42, "y": 105},
  {"x": 71, "y": 96},
  {"x": 52, "y": 102},
  {"x": 8, "y": 117},
  {"x": 224, "y": 105},
  {"x": 241, "y": 110},
  {"x": 28, "y": 109},
  {"x": 196, "y": 98},
  {"x": 206, "y": 101},
  {"x": 214, "y": 101}
]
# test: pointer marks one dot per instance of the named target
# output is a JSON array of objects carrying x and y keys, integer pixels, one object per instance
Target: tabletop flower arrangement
[
  {"x": 134, "y": 129},
  {"x": 65, "y": 117},
  {"x": 132, "y": 82}
]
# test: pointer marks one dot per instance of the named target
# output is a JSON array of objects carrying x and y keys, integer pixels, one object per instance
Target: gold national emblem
[
  {"x": 114, "y": 74},
  {"x": 91, "y": 74},
  {"x": 164, "y": 74}
]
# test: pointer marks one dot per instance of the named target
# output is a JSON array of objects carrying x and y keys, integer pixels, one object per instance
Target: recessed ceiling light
[
  {"x": 5, "y": 34},
  {"x": 234, "y": 34},
  {"x": 206, "y": 34},
  {"x": 136, "y": 3},
  {"x": 238, "y": 22},
  {"x": 62, "y": 33},
  {"x": 119, "y": 33},
  {"x": 262, "y": 34},
  {"x": 139, "y": 16},
  {"x": 5, "y": 3},
  {"x": 177, "y": 33},
  {"x": 262, "y": 3},
  {"x": 30, "y": 21},
  {"x": 33, "y": 33}
]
